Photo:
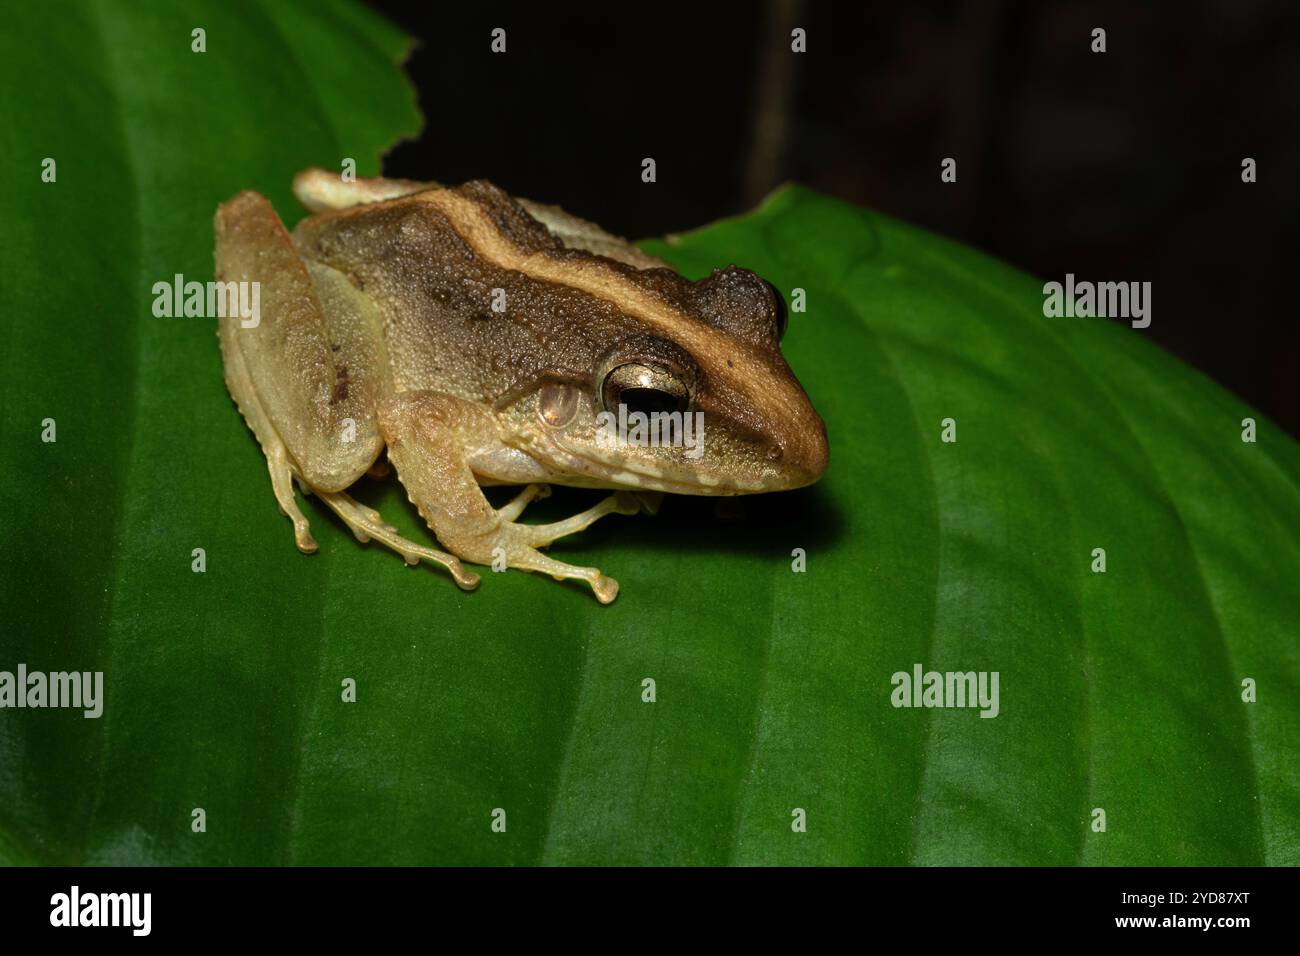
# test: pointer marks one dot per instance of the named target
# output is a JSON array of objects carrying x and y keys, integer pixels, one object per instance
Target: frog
[{"x": 464, "y": 338}]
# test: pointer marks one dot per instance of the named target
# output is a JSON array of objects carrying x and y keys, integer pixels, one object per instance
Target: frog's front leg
[{"x": 428, "y": 436}]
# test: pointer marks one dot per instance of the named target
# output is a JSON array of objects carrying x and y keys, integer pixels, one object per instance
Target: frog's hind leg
[
  {"x": 277, "y": 458},
  {"x": 308, "y": 367},
  {"x": 305, "y": 368}
]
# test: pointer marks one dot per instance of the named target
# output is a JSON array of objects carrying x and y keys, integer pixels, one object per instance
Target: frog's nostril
[{"x": 775, "y": 452}]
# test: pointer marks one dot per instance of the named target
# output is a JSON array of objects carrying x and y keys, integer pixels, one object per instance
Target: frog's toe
[
  {"x": 466, "y": 580},
  {"x": 605, "y": 588},
  {"x": 528, "y": 559},
  {"x": 541, "y": 535},
  {"x": 375, "y": 518},
  {"x": 303, "y": 539},
  {"x": 516, "y": 506},
  {"x": 302, "y": 536}
]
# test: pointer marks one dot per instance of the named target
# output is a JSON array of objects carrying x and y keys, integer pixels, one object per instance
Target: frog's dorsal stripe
[{"x": 321, "y": 191}]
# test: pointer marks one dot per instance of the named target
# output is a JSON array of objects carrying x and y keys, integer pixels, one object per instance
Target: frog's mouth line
[{"x": 622, "y": 474}]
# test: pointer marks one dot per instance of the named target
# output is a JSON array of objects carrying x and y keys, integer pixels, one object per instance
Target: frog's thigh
[
  {"x": 309, "y": 378},
  {"x": 424, "y": 432}
]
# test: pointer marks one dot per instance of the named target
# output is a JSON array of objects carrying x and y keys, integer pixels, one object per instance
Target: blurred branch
[{"x": 777, "y": 67}]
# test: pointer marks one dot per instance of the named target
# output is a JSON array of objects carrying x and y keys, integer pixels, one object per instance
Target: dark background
[{"x": 1117, "y": 166}]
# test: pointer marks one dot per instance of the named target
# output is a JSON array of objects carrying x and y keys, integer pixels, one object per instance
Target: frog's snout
[{"x": 801, "y": 455}]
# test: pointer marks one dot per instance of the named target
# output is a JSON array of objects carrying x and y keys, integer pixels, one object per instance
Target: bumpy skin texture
[{"x": 470, "y": 334}]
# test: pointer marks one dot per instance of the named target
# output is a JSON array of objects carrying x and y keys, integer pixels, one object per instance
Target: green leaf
[{"x": 1120, "y": 691}]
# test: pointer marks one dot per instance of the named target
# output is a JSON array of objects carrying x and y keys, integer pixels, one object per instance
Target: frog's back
[{"x": 461, "y": 304}]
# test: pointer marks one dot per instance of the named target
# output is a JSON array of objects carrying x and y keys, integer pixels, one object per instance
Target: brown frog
[{"x": 487, "y": 340}]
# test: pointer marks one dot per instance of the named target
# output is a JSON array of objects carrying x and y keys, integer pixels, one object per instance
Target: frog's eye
[
  {"x": 643, "y": 388},
  {"x": 782, "y": 314}
]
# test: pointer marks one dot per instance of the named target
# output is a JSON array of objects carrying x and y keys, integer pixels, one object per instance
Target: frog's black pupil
[{"x": 650, "y": 400}]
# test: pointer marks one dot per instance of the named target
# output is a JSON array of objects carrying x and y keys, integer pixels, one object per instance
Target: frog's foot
[
  {"x": 366, "y": 524},
  {"x": 520, "y": 501}
]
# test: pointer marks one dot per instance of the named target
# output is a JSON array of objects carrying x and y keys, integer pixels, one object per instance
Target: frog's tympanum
[{"x": 488, "y": 340}]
